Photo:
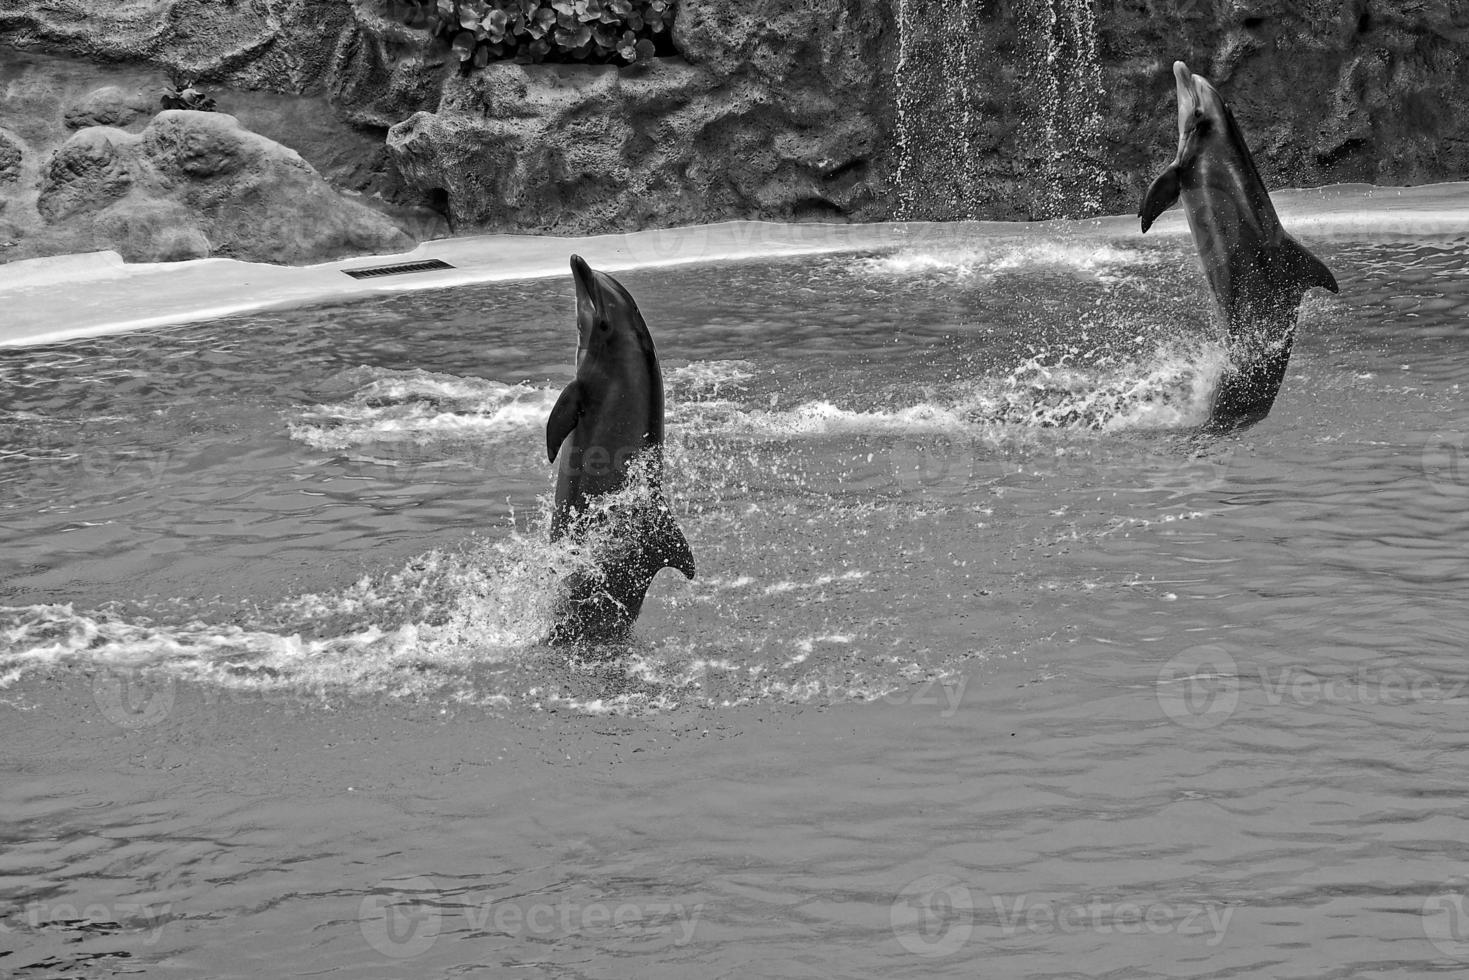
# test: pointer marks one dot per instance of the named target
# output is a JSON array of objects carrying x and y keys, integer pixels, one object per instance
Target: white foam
[
  {"x": 705, "y": 380},
  {"x": 988, "y": 259},
  {"x": 419, "y": 407},
  {"x": 1170, "y": 387},
  {"x": 120, "y": 297}
]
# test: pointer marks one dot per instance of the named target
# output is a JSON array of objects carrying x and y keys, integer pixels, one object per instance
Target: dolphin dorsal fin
[
  {"x": 1160, "y": 196},
  {"x": 562, "y": 421},
  {"x": 1307, "y": 268}
]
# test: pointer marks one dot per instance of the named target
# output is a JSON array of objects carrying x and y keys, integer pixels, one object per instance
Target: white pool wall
[{"x": 68, "y": 296}]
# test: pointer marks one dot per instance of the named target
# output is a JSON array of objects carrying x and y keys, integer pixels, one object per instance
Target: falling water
[
  {"x": 997, "y": 115},
  {"x": 1070, "y": 86},
  {"x": 904, "y": 99}
]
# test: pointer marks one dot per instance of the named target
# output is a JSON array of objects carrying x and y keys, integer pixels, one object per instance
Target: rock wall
[
  {"x": 194, "y": 184},
  {"x": 1326, "y": 92},
  {"x": 768, "y": 112},
  {"x": 780, "y": 109}
]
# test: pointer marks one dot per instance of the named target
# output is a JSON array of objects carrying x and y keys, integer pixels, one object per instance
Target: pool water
[{"x": 995, "y": 665}]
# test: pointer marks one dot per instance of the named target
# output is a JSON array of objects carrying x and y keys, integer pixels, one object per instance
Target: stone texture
[
  {"x": 377, "y": 70},
  {"x": 111, "y": 105},
  {"x": 150, "y": 230},
  {"x": 197, "y": 183},
  {"x": 88, "y": 172},
  {"x": 1326, "y": 92},
  {"x": 12, "y": 155},
  {"x": 768, "y": 113},
  {"x": 791, "y": 109},
  {"x": 43, "y": 97}
]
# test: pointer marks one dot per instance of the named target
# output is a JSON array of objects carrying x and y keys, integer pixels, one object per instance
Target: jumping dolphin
[
  {"x": 606, "y": 427},
  {"x": 1257, "y": 272}
]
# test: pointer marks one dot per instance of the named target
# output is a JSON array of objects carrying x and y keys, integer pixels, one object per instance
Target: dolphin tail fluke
[
  {"x": 669, "y": 546},
  {"x": 1160, "y": 196},
  {"x": 1306, "y": 267}
]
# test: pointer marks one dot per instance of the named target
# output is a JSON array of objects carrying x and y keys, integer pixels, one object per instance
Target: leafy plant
[{"x": 481, "y": 31}]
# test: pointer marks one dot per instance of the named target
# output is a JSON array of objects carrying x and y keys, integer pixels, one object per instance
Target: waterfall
[
  {"x": 997, "y": 110},
  {"x": 1070, "y": 86},
  {"x": 935, "y": 97},
  {"x": 905, "y": 133}
]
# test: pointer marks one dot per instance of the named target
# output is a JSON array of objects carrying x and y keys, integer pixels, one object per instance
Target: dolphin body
[
  {"x": 606, "y": 423},
  {"x": 1256, "y": 271}
]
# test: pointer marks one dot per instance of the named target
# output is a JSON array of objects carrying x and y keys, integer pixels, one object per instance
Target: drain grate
[{"x": 397, "y": 270}]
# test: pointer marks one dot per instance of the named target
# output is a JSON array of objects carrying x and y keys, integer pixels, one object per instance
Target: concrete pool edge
[{"x": 72, "y": 296}]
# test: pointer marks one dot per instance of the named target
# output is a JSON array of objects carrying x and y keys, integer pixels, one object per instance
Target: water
[
  {"x": 970, "y": 78},
  {"x": 994, "y": 665}
]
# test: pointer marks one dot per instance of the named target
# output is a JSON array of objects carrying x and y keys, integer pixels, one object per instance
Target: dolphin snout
[
  {"x": 580, "y": 270},
  {"x": 1188, "y": 98}
]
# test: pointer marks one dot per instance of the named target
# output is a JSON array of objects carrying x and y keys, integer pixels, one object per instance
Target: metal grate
[{"x": 397, "y": 270}]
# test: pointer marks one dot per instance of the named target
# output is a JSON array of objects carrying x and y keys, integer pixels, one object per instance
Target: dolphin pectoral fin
[
  {"x": 1306, "y": 268},
  {"x": 670, "y": 547},
  {"x": 563, "y": 419},
  {"x": 1160, "y": 196}
]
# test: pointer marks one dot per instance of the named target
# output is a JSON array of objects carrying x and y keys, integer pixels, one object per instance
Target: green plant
[{"x": 481, "y": 31}]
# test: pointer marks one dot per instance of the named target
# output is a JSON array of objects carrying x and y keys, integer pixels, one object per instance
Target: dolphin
[
  {"x": 605, "y": 430},
  {"x": 1256, "y": 271}
]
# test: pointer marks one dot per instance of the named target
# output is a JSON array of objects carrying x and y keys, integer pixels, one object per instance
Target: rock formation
[
  {"x": 780, "y": 109},
  {"x": 194, "y": 184}
]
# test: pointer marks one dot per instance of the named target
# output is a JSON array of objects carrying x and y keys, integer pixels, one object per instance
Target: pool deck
[{"x": 69, "y": 296}]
